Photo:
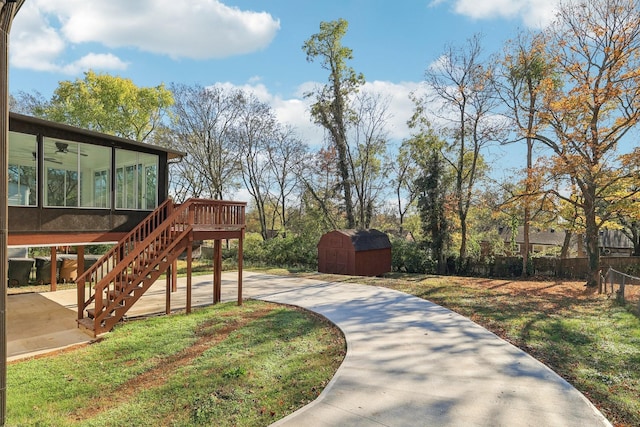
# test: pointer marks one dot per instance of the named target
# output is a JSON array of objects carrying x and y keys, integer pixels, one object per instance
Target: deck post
[
  {"x": 54, "y": 273},
  {"x": 240, "y": 262},
  {"x": 189, "y": 259},
  {"x": 174, "y": 277},
  {"x": 169, "y": 275},
  {"x": 80, "y": 267},
  {"x": 80, "y": 283},
  {"x": 217, "y": 270}
]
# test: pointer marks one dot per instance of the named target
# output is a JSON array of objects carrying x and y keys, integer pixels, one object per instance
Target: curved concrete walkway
[
  {"x": 413, "y": 363},
  {"x": 409, "y": 362}
]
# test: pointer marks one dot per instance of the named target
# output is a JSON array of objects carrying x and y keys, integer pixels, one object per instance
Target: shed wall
[
  {"x": 337, "y": 255},
  {"x": 373, "y": 263}
]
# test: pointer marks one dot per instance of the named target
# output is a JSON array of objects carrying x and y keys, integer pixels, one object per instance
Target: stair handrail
[
  {"x": 102, "y": 310},
  {"x": 114, "y": 255},
  {"x": 152, "y": 220},
  {"x": 121, "y": 263},
  {"x": 193, "y": 211}
]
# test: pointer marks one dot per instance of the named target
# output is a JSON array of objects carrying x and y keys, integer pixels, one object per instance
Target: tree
[
  {"x": 410, "y": 163},
  {"x": 405, "y": 173},
  {"x": 254, "y": 130},
  {"x": 460, "y": 84},
  {"x": 595, "y": 46},
  {"x": 317, "y": 172},
  {"x": 202, "y": 126},
  {"x": 365, "y": 154},
  {"x": 628, "y": 214},
  {"x": 27, "y": 103},
  {"x": 284, "y": 153},
  {"x": 331, "y": 108},
  {"x": 431, "y": 203},
  {"x": 525, "y": 73},
  {"x": 107, "y": 104}
]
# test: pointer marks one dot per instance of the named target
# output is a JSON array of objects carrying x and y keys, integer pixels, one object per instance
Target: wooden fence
[{"x": 569, "y": 268}]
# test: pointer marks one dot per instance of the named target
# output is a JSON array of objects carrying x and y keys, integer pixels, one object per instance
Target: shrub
[
  {"x": 290, "y": 251},
  {"x": 410, "y": 257}
]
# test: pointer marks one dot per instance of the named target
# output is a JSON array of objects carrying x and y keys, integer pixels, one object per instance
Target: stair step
[
  {"x": 86, "y": 323},
  {"x": 91, "y": 313}
]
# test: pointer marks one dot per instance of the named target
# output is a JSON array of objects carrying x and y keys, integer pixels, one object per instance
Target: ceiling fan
[
  {"x": 46, "y": 159},
  {"x": 63, "y": 148}
]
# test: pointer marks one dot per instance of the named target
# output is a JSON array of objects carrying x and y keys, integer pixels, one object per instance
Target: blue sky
[{"x": 254, "y": 44}]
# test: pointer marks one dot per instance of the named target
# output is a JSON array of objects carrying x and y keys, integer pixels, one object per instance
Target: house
[
  {"x": 550, "y": 241},
  {"x": 73, "y": 187},
  {"x": 547, "y": 241},
  {"x": 354, "y": 252},
  {"x": 614, "y": 243}
]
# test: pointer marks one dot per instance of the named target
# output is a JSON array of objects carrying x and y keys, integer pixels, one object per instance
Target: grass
[
  {"x": 588, "y": 339},
  {"x": 223, "y": 365}
]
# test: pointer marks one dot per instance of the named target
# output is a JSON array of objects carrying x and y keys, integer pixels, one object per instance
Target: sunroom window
[
  {"x": 136, "y": 180},
  {"x": 23, "y": 167},
  {"x": 76, "y": 174}
]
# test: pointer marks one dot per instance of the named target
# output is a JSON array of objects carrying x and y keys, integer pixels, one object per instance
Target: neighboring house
[
  {"x": 550, "y": 241},
  {"x": 547, "y": 241},
  {"x": 73, "y": 187},
  {"x": 614, "y": 243}
]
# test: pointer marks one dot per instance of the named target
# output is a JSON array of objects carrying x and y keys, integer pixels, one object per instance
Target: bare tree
[
  {"x": 284, "y": 153},
  {"x": 203, "y": 121},
  {"x": 254, "y": 130},
  {"x": 317, "y": 173},
  {"x": 369, "y": 142},
  {"x": 460, "y": 84}
]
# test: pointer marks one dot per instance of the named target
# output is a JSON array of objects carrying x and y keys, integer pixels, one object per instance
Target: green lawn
[{"x": 223, "y": 365}]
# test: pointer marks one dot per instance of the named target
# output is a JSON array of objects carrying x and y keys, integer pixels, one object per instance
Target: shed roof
[{"x": 367, "y": 240}]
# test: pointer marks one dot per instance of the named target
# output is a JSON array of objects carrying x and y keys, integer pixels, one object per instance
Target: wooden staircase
[{"x": 108, "y": 289}]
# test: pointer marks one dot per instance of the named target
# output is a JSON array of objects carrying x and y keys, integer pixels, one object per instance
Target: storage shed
[{"x": 354, "y": 252}]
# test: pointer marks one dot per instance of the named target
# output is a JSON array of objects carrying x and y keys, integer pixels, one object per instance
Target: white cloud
[
  {"x": 95, "y": 61},
  {"x": 198, "y": 29},
  {"x": 44, "y": 31},
  {"x": 34, "y": 43},
  {"x": 533, "y": 13}
]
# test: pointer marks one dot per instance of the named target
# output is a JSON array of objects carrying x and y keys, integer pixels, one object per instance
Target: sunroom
[{"x": 70, "y": 187}]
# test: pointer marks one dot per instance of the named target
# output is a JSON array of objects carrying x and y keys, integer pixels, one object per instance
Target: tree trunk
[
  {"x": 463, "y": 238},
  {"x": 593, "y": 251},
  {"x": 564, "y": 252},
  {"x": 527, "y": 199}
]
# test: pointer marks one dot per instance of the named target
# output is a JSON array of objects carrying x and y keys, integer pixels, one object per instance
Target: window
[
  {"x": 23, "y": 176},
  {"x": 136, "y": 180},
  {"x": 76, "y": 174}
]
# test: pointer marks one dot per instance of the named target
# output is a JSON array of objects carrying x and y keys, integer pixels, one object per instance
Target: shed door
[{"x": 337, "y": 260}]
